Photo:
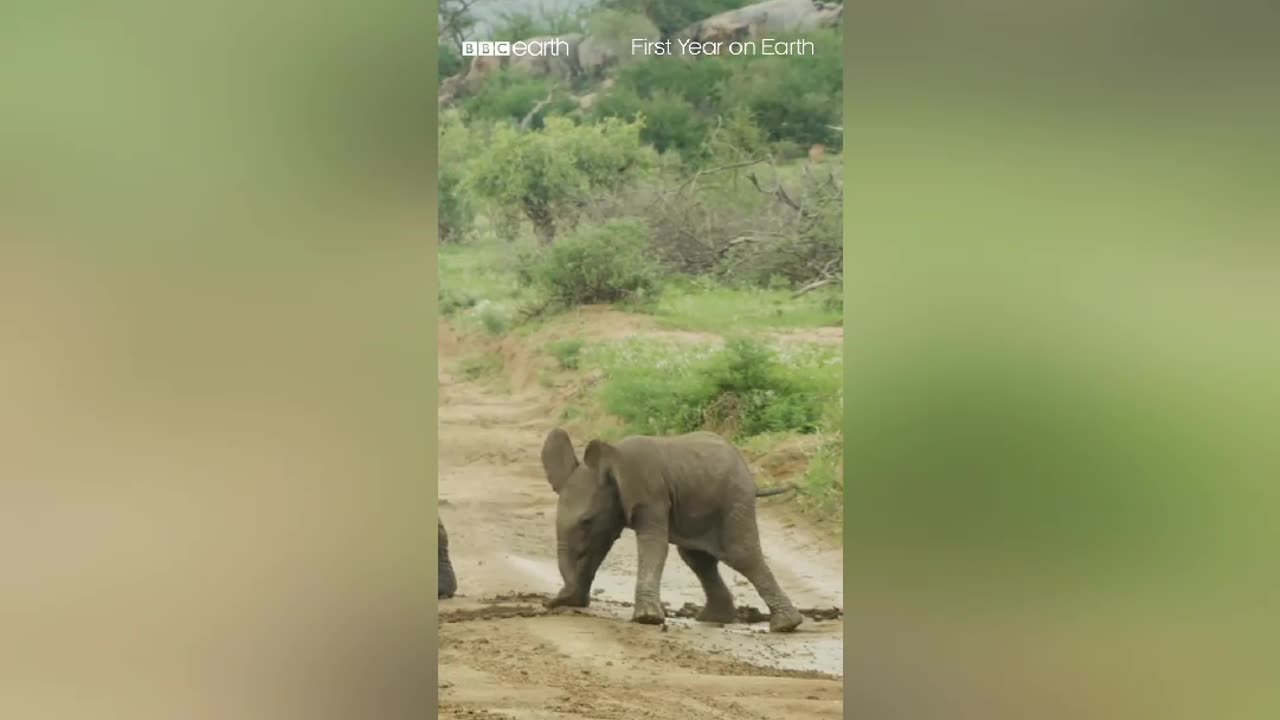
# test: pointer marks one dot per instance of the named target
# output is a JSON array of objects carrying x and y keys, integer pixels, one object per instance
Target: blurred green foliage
[
  {"x": 672, "y": 16},
  {"x": 539, "y": 172},
  {"x": 742, "y": 389},
  {"x": 603, "y": 263}
]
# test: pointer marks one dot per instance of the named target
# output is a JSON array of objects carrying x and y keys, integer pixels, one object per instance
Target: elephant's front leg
[{"x": 651, "y": 551}]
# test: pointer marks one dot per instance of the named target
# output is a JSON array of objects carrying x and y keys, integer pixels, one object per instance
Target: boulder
[
  {"x": 562, "y": 66},
  {"x": 771, "y": 17},
  {"x": 595, "y": 55}
]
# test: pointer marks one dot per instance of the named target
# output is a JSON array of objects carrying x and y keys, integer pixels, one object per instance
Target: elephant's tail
[{"x": 775, "y": 491}]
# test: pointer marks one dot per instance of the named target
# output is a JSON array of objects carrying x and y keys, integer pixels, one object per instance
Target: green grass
[
  {"x": 478, "y": 287},
  {"x": 710, "y": 308},
  {"x": 566, "y": 352},
  {"x": 822, "y": 487}
]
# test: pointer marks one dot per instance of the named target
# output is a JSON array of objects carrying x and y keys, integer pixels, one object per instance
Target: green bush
[
  {"x": 546, "y": 174},
  {"x": 697, "y": 82},
  {"x": 566, "y": 353},
  {"x": 522, "y": 25},
  {"x": 509, "y": 95},
  {"x": 742, "y": 388},
  {"x": 599, "y": 264},
  {"x": 670, "y": 123},
  {"x": 449, "y": 61},
  {"x": 621, "y": 27},
  {"x": 493, "y": 320},
  {"x": 797, "y": 99},
  {"x": 457, "y": 216},
  {"x": 451, "y": 301}
]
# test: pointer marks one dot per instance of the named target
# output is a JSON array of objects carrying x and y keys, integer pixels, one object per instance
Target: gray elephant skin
[
  {"x": 693, "y": 491},
  {"x": 446, "y": 581}
]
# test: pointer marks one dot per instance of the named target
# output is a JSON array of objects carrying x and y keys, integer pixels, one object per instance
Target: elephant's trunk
[{"x": 578, "y": 576}]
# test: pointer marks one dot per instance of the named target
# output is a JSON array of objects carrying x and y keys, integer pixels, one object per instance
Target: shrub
[
  {"x": 451, "y": 301},
  {"x": 457, "y": 216},
  {"x": 796, "y": 100},
  {"x": 493, "y": 320},
  {"x": 697, "y": 82},
  {"x": 546, "y": 174},
  {"x": 670, "y": 123},
  {"x": 566, "y": 353},
  {"x": 522, "y": 25},
  {"x": 599, "y": 264},
  {"x": 509, "y": 95},
  {"x": 742, "y": 390},
  {"x": 621, "y": 27},
  {"x": 449, "y": 61}
]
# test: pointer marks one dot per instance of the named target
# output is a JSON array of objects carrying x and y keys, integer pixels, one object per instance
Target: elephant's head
[{"x": 589, "y": 517}]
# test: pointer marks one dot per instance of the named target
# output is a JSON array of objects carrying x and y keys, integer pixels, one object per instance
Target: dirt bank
[{"x": 501, "y": 655}]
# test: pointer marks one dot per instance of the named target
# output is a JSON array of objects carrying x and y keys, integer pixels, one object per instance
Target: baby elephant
[
  {"x": 693, "y": 491},
  {"x": 447, "y": 584}
]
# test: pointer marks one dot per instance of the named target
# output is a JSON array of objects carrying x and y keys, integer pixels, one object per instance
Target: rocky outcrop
[
  {"x": 753, "y": 22},
  {"x": 595, "y": 55},
  {"x": 563, "y": 65}
]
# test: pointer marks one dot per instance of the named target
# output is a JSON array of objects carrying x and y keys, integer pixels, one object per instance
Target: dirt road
[{"x": 502, "y": 655}]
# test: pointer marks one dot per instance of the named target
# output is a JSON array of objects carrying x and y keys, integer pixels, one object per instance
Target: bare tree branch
[
  {"x": 537, "y": 107},
  {"x": 731, "y": 166},
  {"x": 777, "y": 192},
  {"x": 812, "y": 286}
]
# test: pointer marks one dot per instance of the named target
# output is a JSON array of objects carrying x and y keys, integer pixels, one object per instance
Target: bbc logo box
[{"x": 485, "y": 48}]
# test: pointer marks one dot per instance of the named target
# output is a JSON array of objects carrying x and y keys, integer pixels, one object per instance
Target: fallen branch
[
  {"x": 813, "y": 286},
  {"x": 777, "y": 192}
]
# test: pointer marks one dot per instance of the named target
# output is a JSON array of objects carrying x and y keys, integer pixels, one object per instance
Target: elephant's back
[{"x": 698, "y": 454}]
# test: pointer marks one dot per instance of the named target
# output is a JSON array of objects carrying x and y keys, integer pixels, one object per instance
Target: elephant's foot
[
  {"x": 576, "y": 600},
  {"x": 785, "y": 620},
  {"x": 722, "y": 613},
  {"x": 649, "y": 612}
]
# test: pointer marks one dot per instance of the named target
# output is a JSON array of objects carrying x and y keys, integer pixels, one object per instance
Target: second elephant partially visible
[
  {"x": 446, "y": 581},
  {"x": 693, "y": 491}
]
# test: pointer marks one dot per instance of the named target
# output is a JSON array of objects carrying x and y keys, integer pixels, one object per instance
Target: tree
[
  {"x": 456, "y": 21},
  {"x": 546, "y": 173}
]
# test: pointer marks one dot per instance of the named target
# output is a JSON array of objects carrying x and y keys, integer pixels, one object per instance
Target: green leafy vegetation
[
  {"x": 566, "y": 353},
  {"x": 599, "y": 264},
  {"x": 702, "y": 196}
]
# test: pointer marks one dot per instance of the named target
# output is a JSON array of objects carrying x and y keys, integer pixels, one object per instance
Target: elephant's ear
[
  {"x": 609, "y": 463},
  {"x": 558, "y": 458},
  {"x": 598, "y": 454}
]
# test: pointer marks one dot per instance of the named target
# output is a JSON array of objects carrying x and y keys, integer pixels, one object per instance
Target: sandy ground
[{"x": 502, "y": 655}]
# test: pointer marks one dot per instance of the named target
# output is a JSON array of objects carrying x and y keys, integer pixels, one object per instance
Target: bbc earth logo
[{"x": 554, "y": 47}]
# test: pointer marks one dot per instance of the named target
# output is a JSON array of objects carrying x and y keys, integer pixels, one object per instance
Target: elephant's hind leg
[
  {"x": 784, "y": 616},
  {"x": 719, "y": 608}
]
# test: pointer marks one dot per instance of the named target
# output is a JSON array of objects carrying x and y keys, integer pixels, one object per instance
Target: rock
[
  {"x": 763, "y": 19},
  {"x": 563, "y": 65},
  {"x": 595, "y": 55}
]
